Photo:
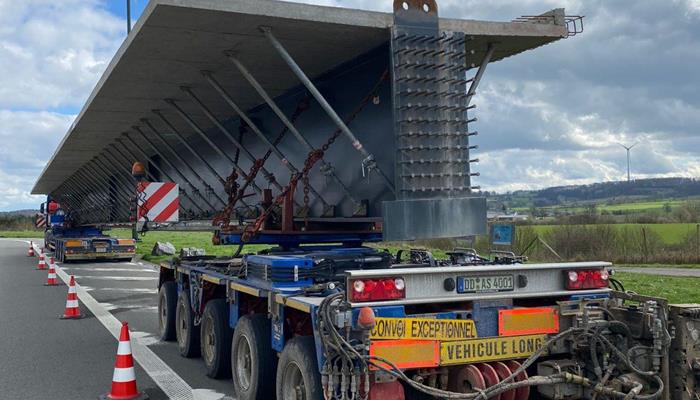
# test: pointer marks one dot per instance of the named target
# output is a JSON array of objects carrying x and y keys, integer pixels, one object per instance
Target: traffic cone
[
  {"x": 30, "y": 252},
  {"x": 51, "y": 280},
  {"x": 72, "y": 305},
  {"x": 42, "y": 261},
  {"x": 124, "y": 378}
]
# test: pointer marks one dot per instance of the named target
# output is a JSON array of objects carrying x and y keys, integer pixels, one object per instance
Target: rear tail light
[
  {"x": 377, "y": 289},
  {"x": 587, "y": 279}
]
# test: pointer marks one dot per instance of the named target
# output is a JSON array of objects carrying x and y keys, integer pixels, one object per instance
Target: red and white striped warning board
[
  {"x": 158, "y": 201},
  {"x": 40, "y": 221}
]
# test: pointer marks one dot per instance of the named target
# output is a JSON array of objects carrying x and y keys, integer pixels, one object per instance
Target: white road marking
[
  {"x": 109, "y": 269},
  {"x": 127, "y": 290},
  {"x": 135, "y": 307},
  {"x": 168, "y": 380},
  {"x": 117, "y": 278}
]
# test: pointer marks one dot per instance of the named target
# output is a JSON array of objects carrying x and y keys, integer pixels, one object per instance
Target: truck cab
[{"x": 71, "y": 242}]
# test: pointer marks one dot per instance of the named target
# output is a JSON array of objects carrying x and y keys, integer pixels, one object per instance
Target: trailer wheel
[
  {"x": 298, "y": 377},
  {"x": 187, "y": 333},
  {"x": 252, "y": 359},
  {"x": 167, "y": 301},
  {"x": 215, "y": 337}
]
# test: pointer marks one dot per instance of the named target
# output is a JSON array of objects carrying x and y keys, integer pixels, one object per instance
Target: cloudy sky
[{"x": 548, "y": 117}]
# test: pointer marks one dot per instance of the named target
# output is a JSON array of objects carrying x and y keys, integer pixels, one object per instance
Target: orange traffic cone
[
  {"x": 42, "y": 261},
  {"x": 124, "y": 378},
  {"x": 30, "y": 252},
  {"x": 72, "y": 305},
  {"x": 51, "y": 280}
]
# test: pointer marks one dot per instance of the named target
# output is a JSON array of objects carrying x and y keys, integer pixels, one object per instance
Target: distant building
[{"x": 501, "y": 216}]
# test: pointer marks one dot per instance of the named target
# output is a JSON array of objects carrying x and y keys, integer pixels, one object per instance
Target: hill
[
  {"x": 657, "y": 189},
  {"x": 24, "y": 213}
]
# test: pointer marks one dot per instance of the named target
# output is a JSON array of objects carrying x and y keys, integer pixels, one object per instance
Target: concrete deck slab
[{"x": 175, "y": 40}]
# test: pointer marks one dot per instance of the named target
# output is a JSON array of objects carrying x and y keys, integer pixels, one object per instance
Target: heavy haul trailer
[
  {"x": 311, "y": 125},
  {"x": 350, "y": 323},
  {"x": 70, "y": 242}
]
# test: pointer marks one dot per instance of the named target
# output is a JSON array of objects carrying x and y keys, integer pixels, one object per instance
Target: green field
[
  {"x": 630, "y": 207},
  {"x": 669, "y": 233},
  {"x": 22, "y": 234},
  {"x": 679, "y": 290},
  {"x": 641, "y": 206}
]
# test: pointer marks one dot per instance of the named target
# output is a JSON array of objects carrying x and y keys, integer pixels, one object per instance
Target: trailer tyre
[
  {"x": 252, "y": 359},
  {"x": 167, "y": 302},
  {"x": 215, "y": 337},
  {"x": 187, "y": 333},
  {"x": 297, "y": 373}
]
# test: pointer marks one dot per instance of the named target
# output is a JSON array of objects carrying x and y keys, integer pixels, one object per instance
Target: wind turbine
[{"x": 628, "y": 148}]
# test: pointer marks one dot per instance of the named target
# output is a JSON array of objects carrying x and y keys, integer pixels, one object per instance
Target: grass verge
[
  {"x": 675, "y": 266},
  {"x": 679, "y": 290},
  {"x": 201, "y": 240},
  {"x": 22, "y": 234}
]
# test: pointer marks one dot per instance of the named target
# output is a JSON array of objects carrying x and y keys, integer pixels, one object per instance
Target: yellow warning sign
[
  {"x": 490, "y": 349},
  {"x": 423, "y": 329}
]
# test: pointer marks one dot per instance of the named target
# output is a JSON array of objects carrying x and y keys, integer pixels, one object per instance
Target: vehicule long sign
[
  {"x": 490, "y": 349},
  {"x": 158, "y": 201},
  {"x": 432, "y": 353}
]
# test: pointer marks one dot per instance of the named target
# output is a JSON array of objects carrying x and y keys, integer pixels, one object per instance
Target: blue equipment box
[{"x": 284, "y": 272}]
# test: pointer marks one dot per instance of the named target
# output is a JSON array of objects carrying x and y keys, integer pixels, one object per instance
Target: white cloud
[
  {"x": 51, "y": 55},
  {"x": 53, "y": 52},
  {"x": 28, "y": 139}
]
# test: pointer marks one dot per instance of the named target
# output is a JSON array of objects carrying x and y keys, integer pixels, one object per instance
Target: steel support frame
[
  {"x": 102, "y": 205},
  {"x": 369, "y": 162},
  {"x": 106, "y": 180},
  {"x": 163, "y": 173},
  {"x": 125, "y": 178},
  {"x": 97, "y": 196},
  {"x": 325, "y": 166},
  {"x": 114, "y": 161},
  {"x": 72, "y": 187},
  {"x": 327, "y": 208},
  {"x": 68, "y": 187},
  {"x": 98, "y": 175},
  {"x": 216, "y": 148},
  {"x": 268, "y": 175},
  {"x": 194, "y": 152},
  {"x": 174, "y": 168},
  {"x": 125, "y": 158},
  {"x": 118, "y": 174},
  {"x": 480, "y": 72},
  {"x": 74, "y": 202},
  {"x": 161, "y": 139},
  {"x": 150, "y": 175}
]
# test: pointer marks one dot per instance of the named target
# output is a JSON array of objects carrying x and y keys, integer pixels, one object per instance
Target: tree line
[{"x": 15, "y": 222}]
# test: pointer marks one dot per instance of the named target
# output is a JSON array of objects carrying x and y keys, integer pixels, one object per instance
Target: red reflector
[
  {"x": 377, "y": 289},
  {"x": 528, "y": 321},
  {"x": 407, "y": 354},
  {"x": 586, "y": 279}
]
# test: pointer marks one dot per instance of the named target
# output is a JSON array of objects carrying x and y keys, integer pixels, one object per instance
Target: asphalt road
[
  {"x": 42, "y": 356},
  {"x": 689, "y": 272}
]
